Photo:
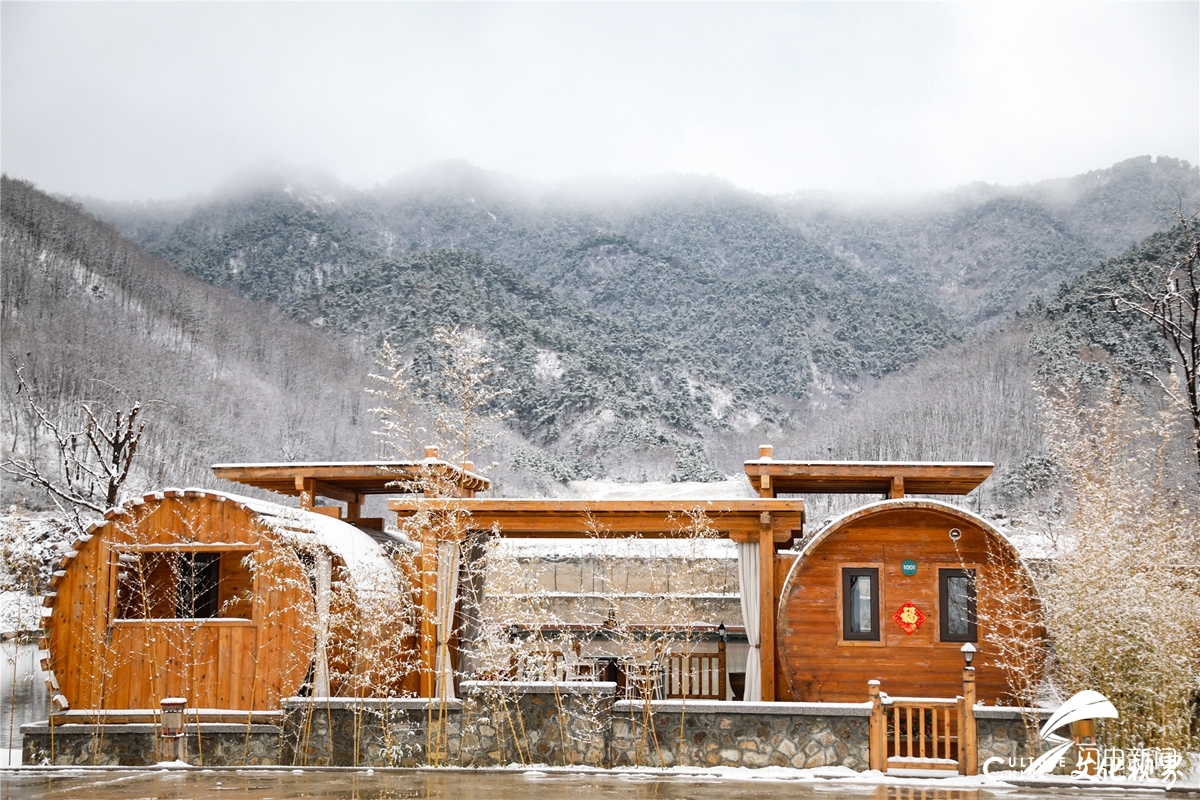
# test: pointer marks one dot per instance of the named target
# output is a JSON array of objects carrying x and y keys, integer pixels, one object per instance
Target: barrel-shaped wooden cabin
[
  {"x": 229, "y": 602},
  {"x": 893, "y": 590}
]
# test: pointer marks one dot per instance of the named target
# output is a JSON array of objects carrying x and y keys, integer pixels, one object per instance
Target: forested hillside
[
  {"x": 659, "y": 313},
  {"x": 656, "y": 330},
  {"x": 90, "y": 317}
]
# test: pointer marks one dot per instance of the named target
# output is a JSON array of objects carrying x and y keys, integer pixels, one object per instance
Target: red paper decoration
[{"x": 908, "y": 617}]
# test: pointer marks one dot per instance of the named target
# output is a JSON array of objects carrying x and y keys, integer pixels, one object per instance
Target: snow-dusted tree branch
[
  {"x": 92, "y": 456},
  {"x": 1122, "y": 597},
  {"x": 1168, "y": 294},
  {"x": 469, "y": 409}
]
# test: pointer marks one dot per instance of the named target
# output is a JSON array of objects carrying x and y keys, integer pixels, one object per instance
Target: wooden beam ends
[{"x": 773, "y": 478}]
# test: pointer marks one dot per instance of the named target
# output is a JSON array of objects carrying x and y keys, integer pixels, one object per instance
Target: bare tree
[
  {"x": 1168, "y": 294},
  {"x": 92, "y": 459},
  {"x": 468, "y": 411}
]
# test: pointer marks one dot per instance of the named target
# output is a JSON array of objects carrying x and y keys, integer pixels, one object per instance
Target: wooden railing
[
  {"x": 686, "y": 675},
  {"x": 924, "y": 732}
]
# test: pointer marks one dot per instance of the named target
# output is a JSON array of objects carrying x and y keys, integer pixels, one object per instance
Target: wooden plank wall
[
  {"x": 103, "y": 663},
  {"x": 818, "y": 667}
]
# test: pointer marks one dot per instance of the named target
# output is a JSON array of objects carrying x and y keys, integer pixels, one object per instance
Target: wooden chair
[{"x": 695, "y": 676}]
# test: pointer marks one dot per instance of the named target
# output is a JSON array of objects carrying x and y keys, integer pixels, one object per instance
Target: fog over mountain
[
  {"x": 133, "y": 101},
  {"x": 649, "y": 330}
]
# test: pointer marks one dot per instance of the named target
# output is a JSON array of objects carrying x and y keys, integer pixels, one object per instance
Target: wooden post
[
  {"x": 766, "y": 607},
  {"x": 308, "y": 492},
  {"x": 428, "y": 638},
  {"x": 968, "y": 749},
  {"x": 354, "y": 507},
  {"x": 897, "y": 491},
  {"x": 877, "y": 732},
  {"x": 721, "y": 679},
  {"x": 463, "y": 491}
]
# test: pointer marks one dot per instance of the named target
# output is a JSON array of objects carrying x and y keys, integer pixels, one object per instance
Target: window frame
[
  {"x": 847, "y": 574},
  {"x": 944, "y": 576},
  {"x": 223, "y": 561}
]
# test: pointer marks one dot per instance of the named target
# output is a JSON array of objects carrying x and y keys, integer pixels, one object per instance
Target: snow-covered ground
[{"x": 19, "y": 611}]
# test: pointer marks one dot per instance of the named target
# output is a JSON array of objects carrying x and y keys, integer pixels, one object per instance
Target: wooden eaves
[
  {"x": 890, "y": 478},
  {"x": 739, "y": 520},
  {"x": 348, "y": 481}
]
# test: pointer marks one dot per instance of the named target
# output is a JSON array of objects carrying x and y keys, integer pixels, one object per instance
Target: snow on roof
[
  {"x": 734, "y": 487},
  {"x": 289, "y": 464},
  {"x": 355, "y": 548},
  {"x": 618, "y": 548}
]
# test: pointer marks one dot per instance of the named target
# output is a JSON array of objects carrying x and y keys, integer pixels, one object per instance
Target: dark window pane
[
  {"x": 958, "y": 616},
  {"x": 957, "y": 605},
  {"x": 860, "y": 605},
  {"x": 199, "y": 579}
]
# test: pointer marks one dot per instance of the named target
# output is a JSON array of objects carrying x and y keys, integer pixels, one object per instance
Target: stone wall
[
  {"x": 349, "y": 732},
  {"x": 546, "y": 723},
  {"x": 710, "y": 734},
  {"x": 1000, "y": 733},
  {"x": 135, "y": 745},
  {"x": 560, "y": 724},
  {"x": 497, "y": 723}
]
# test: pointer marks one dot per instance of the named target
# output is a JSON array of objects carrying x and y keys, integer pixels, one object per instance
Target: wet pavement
[
  {"x": 481, "y": 785},
  {"x": 23, "y": 696}
]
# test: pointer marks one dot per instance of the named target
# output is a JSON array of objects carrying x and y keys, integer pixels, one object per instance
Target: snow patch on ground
[
  {"x": 774, "y": 774},
  {"x": 19, "y": 611}
]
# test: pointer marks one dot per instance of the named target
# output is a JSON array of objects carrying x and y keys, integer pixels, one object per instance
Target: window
[
  {"x": 183, "y": 584},
  {"x": 199, "y": 579},
  {"x": 956, "y": 603},
  {"x": 860, "y": 604}
]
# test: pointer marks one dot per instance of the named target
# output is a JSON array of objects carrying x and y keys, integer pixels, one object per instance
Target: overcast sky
[{"x": 140, "y": 100}]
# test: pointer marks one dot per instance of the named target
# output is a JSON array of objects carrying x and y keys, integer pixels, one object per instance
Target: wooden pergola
[
  {"x": 350, "y": 482},
  {"x": 446, "y": 492},
  {"x": 893, "y": 479},
  {"x": 771, "y": 524}
]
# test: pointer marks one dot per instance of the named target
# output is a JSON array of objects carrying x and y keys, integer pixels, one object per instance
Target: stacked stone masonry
[
  {"x": 499, "y": 723},
  {"x": 137, "y": 745}
]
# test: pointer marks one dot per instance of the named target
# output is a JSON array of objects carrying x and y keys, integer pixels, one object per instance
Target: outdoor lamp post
[
  {"x": 968, "y": 744},
  {"x": 171, "y": 726},
  {"x": 722, "y": 634}
]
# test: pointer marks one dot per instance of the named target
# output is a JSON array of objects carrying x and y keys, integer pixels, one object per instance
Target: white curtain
[
  {"x": 748, "y": 582},
  {"x": 447, "y": 600},
  {"x": 324, "y": 579}
]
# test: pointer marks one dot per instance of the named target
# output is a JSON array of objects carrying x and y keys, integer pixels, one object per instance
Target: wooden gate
[{"x": 924, "y": 732}]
